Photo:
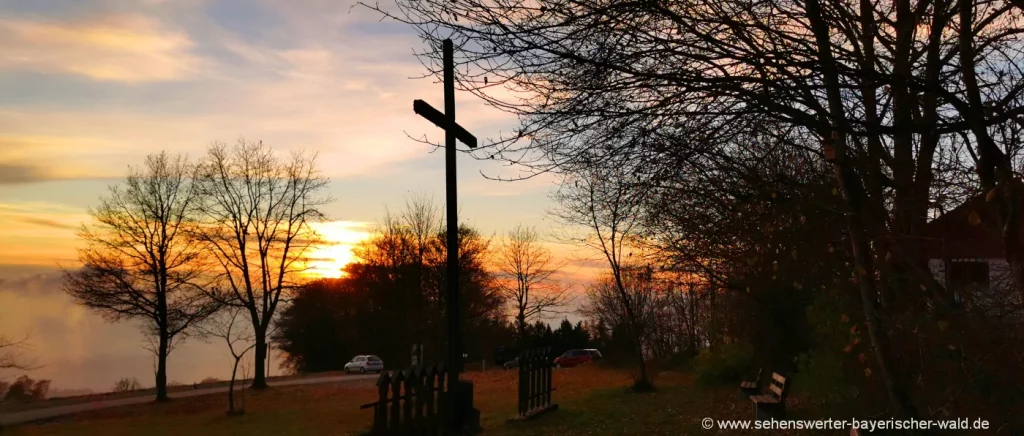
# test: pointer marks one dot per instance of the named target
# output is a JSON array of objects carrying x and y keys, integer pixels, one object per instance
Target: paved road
[{"x": 52, "y": 412}]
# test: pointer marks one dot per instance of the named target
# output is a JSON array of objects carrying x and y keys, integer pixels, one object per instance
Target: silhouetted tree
[
  {"x": 257, "y": 213},
  {"x": 604, "y": 203},
  {"x": 11, "y": 356},
  {"x": 141, "y": 261},
  {"x": 24, "y": 389},
  {"x": 127, "y": 384},
  {"x": 393, "y": 297},
  {"x": 228, "y": 326},
  {"x": 525, "y": 269},
  {"x": 917, "y": 105},
  {"x": 325, "y": 324}
]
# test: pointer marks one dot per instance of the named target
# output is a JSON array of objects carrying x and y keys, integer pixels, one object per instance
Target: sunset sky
[{"x": 89, "y": 87}]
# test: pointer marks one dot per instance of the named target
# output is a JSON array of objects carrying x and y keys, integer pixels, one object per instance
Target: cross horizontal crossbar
[{"x": 435, "y": 116}]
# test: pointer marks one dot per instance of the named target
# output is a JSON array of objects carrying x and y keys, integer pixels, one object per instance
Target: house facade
[{"x": 966, "y": 257}]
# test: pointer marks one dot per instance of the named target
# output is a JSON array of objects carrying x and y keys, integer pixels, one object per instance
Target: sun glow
[{"x": 329, "y": 259}]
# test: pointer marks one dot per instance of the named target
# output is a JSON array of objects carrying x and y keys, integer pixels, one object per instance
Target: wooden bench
[
  {"x": 773, "y": 403},
  {"x": 749, "y": 388}
]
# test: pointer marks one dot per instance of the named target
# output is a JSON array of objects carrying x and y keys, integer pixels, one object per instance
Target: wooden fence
[
  {"x": 410, "y": 402},
  {"x": 535, "y": 382}
]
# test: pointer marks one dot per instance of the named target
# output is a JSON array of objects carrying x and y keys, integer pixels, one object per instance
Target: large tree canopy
[
  {"x": 392, "y": 298},
  {"x": 907, "y": 107},
  {"x": 142, "y": 261}
]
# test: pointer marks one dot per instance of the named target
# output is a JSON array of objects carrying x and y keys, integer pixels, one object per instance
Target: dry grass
[
  {"x": 302, "y": 410},
  {"x": 592, "y": 400},
  {"x": 79, "y": 399}
]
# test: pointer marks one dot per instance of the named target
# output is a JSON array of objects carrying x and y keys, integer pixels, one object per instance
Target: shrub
[
  {"x": 728, "y": 363},
  {"x": 25, "y": 389},
  {"x": 209, "y": 380},
  {"x": 127, "y": 384},
  {"x": 832, "y": 371},
  {"x": 678, "y": 360}
]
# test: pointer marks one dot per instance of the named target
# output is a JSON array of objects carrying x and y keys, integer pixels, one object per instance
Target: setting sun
[{"x": 330, "y": 258}]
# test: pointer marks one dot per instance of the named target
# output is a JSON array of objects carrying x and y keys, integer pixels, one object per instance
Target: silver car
[{"x": 364, "y": 364}]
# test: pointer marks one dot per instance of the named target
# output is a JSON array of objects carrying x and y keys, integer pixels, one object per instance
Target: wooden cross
[{"x": 460, "y": 412}]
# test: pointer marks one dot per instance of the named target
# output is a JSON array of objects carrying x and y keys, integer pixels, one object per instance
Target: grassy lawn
[{"x": 592, "y": 400}]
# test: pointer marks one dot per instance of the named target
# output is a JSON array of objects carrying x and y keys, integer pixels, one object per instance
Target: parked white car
[{"x": 364, "y": 364}]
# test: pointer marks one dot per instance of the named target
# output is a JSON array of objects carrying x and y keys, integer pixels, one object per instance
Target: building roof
[{"x": 956, "y": 235}]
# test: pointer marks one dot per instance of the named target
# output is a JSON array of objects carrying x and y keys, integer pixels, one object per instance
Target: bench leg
[{"x": 763, "y": 412}]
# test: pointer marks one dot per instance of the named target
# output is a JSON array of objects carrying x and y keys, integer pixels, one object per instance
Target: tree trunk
[
  {"x": 521, "y": 329},
  {"x": 259, "y": 379},
  {"x": 231, "y": 386},
  {"x": 694, "y": 346},
  {"x": 853, "y": 193},
  {"x": 161, "y": 365},
  {"x": 637, "y": 338}
]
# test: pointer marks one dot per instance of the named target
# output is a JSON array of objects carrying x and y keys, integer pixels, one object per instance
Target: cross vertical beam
[
  {"x": 460, "y": 398},
  {"x": 451, "y": 202}
]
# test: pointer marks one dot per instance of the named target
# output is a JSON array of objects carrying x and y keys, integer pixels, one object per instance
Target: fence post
[
  {"x": 431, "y": 411},
  {"x": 416, "y": 382},
  {"x": 442, "y": 418},
  {"x": 407, "y": 389},
  {"x": 528, "y": 381},
  {"x": 534, "y": 378},
  {"x": 540, "y": 377},
  {"x": 380, "y": 412},
  {"x": 547, "y": 376},
  {"x": 396, "y": 404},
  {"x": 522, "y": 382}
]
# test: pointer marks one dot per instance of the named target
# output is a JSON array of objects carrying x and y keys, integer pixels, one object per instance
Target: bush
[
  {"x": 679, "y": 360},
  {"x": 25, "y": 390},
  {"x": 832, "y": 371},
  {"x": 127, "y": 384},
  {"x": 209, "y": 380},
  {"x": 728, "y": 363}
]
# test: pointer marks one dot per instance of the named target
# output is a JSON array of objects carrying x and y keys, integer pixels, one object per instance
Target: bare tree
[
  {"x": 239, "y": 339},
  {"x": 141, "y": 262},
  {"x": 11, "y": 354},
  {"x": 127, "y": 384},
  {"x": 914, "y": 104},
  {"x": 525, "y": 269},
  {"x": 604, "y": 202},
  {"x": 258, "y": 209},
  {"x": 634, "y": 305},
  {"x": 422, "y": 220}
]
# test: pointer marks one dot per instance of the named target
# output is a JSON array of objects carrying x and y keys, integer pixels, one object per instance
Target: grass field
[
  {"x": 63, "y": 401},
  {"x": 592, "y": 400}
]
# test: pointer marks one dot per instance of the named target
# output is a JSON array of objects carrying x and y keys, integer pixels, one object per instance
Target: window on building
[{"x": 965, "y": 277}]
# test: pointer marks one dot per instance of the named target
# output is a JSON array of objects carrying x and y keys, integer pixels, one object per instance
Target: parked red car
[{"x": 577, "y": 357}]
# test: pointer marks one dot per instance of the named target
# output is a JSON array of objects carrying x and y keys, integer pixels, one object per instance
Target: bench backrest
[{"x": 778, "y": 387}]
